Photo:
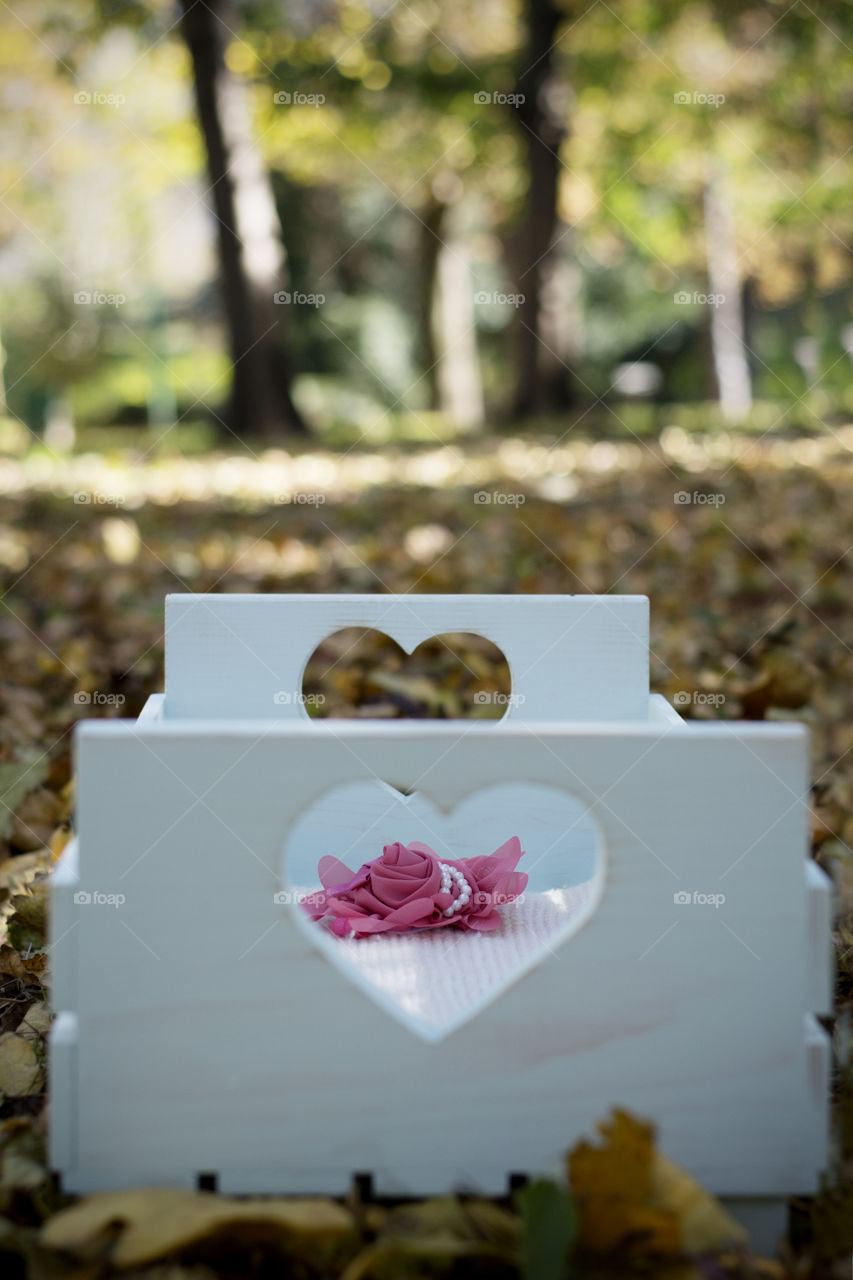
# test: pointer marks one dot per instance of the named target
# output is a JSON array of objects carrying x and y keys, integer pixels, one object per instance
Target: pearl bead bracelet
[{"x": 449, "y": 877}]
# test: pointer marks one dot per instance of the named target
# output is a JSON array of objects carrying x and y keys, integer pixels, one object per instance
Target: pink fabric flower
[{"x": 410, "y": 887}]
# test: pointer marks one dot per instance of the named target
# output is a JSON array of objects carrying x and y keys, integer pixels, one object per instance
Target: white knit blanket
[{"x": 440, "y": 975}]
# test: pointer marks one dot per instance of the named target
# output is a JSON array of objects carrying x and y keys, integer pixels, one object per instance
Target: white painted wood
[
  {"x": 570, "y": 657},
  {"x": 153, "y": 709},
  {"x": 438, "y": 983},
  {"x": 220, "y": 1031},
  {"x": 63, "y": 924},
  {"x": 819, "y": 888},
  {"x": 219, "y": 1037},
  {"x": 662, "y": 711},
  {"x": 819, "y": 1067},
  {"x": 765, "y": 1219},
  {"x": 62, "y": 1066}
]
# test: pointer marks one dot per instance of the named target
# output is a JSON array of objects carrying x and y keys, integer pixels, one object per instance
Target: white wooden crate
[{"x": 206, "y": 1027}]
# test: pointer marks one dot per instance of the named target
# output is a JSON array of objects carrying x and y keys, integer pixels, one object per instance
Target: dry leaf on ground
[
  {"x": 151, "y": 1223},
  {"x": 632, "y": 1198}
]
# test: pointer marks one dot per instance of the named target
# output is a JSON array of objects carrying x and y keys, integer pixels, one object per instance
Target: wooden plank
[
  {"x": 819, "y": 889},
  {"x": 570, "y": 657},
  {"x": 218, "y": 1033},
  {"x": 64, "y": 1093}
]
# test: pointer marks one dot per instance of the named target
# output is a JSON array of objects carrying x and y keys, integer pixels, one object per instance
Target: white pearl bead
[{"x": 451, "y": 876}]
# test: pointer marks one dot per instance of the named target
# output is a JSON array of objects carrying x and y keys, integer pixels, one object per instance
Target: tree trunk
[
  {"x": 543, "y": 380},
  {"x": 449, "y": 337},
  {"x": 460, "y": 386},
  {"x": 731, "y": 366},
  {"x": 448, "y": 332},
  {"x": 251, "y": 254},
  {"x": 432, "y": 229}
]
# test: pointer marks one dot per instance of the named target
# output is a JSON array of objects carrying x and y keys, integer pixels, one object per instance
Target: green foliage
[
  {"x": 381, "y": 117},
  {"x": 549, "y": 1228}
]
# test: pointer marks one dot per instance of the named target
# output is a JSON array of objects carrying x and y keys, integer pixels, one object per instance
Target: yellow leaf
[
  {"x": 703, "y": 1223},
  {"x": 59, "y": 840},
  {"x": 633, "y": 1199}
]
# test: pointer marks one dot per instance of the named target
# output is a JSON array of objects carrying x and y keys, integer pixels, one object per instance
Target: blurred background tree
[{"x": 374, "y": 221}]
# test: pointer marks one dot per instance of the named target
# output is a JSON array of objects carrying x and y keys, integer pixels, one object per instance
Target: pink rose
[{"x": 410, "y": 887}]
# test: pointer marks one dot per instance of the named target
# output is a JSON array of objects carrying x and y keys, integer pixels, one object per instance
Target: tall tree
[
  {"x": 251, "y": 253},
  {"x": 542, "y": 378},
  {"x": 447, "y": 323},
  {"x": 731, "y": 364}
]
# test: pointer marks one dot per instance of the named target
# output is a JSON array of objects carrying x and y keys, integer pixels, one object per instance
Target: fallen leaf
[
  {"x": 704, "y": 1225},
  {"x": 30, "y": 969},
  {"x": 783, "y": 681},
  {"x": 26, "y": 926},
  {"x": 472, "y": 1220},
  {"x": 35, "y": 820},
  {"x": 21, "y": 1073},
  {"x": 59, "y": 840},
  {"x": 438, "y": 1255},
  {"x": 35, "y": 1023},
  {"x": 153, "y": 1222},
  {"x": 635, "y": 1200},
  {"x": 22, "y": 1157},
  {"x": 17, "y": 778}
]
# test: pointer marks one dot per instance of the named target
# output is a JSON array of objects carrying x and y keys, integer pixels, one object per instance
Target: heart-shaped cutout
[
  {"x": 434, "y": 981},
  {"x": 357, "y": 672}
]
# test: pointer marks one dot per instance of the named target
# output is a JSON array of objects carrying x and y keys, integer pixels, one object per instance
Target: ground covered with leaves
[{"x": 743, "y": 546}]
